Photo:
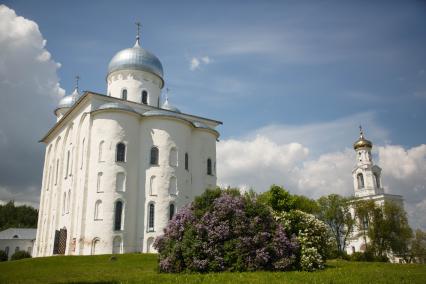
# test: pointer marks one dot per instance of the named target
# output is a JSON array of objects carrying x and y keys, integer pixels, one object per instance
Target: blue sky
[
  {"x": 271, "y": 61},
  {"x": 291, "y": 81}
]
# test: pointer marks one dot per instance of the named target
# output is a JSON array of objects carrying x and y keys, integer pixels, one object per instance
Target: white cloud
[
  {"x": 29, "y": 92},
  {"x": 196, "y": 62},
  {"x": 281, "y": 155}
]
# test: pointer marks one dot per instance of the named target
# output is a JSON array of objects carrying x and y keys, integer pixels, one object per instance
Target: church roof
[
  {"x": 18, "y": 233},
  {"x": 115, "y": 105},
  {"x": 362, "y": 142},
  {"x": 136, "y": 58},
  {"x": 69, "y": 100}
]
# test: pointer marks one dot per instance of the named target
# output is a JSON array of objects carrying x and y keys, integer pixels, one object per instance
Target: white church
[
  {"x": 118, "y": 166},
  {"x": 367, "y": 186}
]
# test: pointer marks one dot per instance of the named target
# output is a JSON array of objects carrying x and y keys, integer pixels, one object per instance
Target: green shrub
[
  {"x": 3, "y": 256},
  {"x": 21, "y": 254},
  {"x": 313, "y": 235}
]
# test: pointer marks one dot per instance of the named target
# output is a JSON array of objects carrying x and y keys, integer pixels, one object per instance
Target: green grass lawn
[{"x": 142, "y": 268}]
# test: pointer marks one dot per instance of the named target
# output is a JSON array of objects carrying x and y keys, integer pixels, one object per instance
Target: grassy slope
[{"x": 138, "y": 268}]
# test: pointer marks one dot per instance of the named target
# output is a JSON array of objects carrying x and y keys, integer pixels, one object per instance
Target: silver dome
[
  {"x": 69, "y": 100},
  {"x": 168, "y": 106},
  {"x": 136, "y": 58}
]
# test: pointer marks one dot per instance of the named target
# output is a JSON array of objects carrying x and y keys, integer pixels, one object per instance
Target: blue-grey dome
[
  {"x": 69, "y": 100},
  {"x": 115, "y": 106},
  {"x": 136, "y": 58},
  {"x": 169, "y": 106}
]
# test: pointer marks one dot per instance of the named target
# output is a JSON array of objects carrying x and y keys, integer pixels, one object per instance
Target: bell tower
[{"x": 366, "y": 175}]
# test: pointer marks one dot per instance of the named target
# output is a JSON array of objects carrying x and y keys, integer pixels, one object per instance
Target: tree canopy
[{"x": 12, "y": 216}]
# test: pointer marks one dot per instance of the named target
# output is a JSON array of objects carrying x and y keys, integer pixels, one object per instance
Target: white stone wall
[{"x": 12, "y": 245}]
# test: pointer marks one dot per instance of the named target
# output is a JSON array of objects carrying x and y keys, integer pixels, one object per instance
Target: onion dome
[
  {"x": 168, "y": 106},
  {"x": 362, "y": 142},
  {"x": 136, "y": 58},
  {"x": 69, "y": 100}
]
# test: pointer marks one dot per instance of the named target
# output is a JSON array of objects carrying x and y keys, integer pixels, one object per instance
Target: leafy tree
[
  {"x": 418, "y": 247},
  {"x": 280, "y": 200},
  {"x": 335, "y": 212},
  {"x": 12, "y": 216},
  {"x": 3, "y": 256}
]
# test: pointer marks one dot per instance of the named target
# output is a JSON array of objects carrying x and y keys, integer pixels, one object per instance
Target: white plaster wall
[
  {"x": 135, "y": 82},
  {"x": 112, "y": 127}
]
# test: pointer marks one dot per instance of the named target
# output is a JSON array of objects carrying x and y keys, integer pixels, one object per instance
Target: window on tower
[
  {"x": 121, "y": 152},
  {"x": 118, "y": 215},
  {"x": 377, "y": 180},
  {"x": 360, "y": 179},
  {"x": 144, "y": 97},
  {"x": 209, "y": 166},
  {"x": 186, "y": 161},
  {"x": 171, "y": 211},
  {"x": 151, "y": 209},
  {"x": 124, "y": 94},
  {"x": 154, "y": 156}
]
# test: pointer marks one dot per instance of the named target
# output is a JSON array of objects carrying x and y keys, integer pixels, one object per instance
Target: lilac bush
[{"x": 224, "y": 231}]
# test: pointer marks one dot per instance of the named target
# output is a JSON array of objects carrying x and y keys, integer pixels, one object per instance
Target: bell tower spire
[{"x": 366, "y": 175}]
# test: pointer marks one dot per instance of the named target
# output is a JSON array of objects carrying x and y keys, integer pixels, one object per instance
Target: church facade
[
  {"x": 367, "y": 181},
  {"x": 118, "y": 166}
]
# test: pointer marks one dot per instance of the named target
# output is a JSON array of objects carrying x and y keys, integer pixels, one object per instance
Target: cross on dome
[{"x": 138, "y": 34}]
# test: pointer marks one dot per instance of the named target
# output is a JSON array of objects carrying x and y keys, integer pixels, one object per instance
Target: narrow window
[
  {"x": 377, "y": 179},
  {"x": 118, "y": 215},
  {"x": 152, "y": 186},
  {"x": 101, "y": 146},
  {"x": 171, "y": 211},
  {"x": 71, "y": 160},
  {"x": 173, "y": 158},
  {"x": 154, "y": 156},
  {"x": 209, "y": 166},
  {"x": 151, "y": 217},
  {"x": 99, "y": 182},
  {"x": 144, "y": 97},
  {"x": 6, "y": 250},
  {"x": 64, "y": 203},
  {"x": 95, "y": 245},
  {"x": 173, "y": 186},
  {"x": 16, "y": 249},
  {"x": 360, "y": 179},
  {"x": 120, "y": 152},
  {"x": 124, "y": 94},
  {"x": 120, "y": 182},
  {"x": 98, "y": 210},
  {"x": 186, "y": 161}
]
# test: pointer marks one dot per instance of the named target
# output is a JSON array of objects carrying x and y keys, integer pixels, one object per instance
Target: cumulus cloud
[
  {"x": 29, "y": 91},
  {"x": 196, "y": 62},
  {"x": 257, "y": 161}
]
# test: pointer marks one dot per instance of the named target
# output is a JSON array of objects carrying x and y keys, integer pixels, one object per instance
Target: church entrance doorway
[{"x": 60, "y": 243}]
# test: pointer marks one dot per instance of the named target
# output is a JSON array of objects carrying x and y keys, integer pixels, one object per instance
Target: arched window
[
  {"x": 120, "y": 182},
  {"x": 98, "y": 210},
  {"x": 6, "y": 250},
  {"x": 16, "y": 249},
  {"x": 171, "y": 211},
  {"x": 377, "y": 179},
  {"x": 124, "y": 94},
  {"x": 68, "y": 163},
  {"x": 117, "y": 245},
  {"x": 360, "y": 179},
  {"x": 144, "y": 97},
  {"x": 151, "y": 212},
  {"x": 82, "y": 153},
  {"x": 95, "y": 245},
  {"x": 186, "y": 161},
  {"x": 154, "y": 156},
  {"x": 121, "y": 152},
  {"x": 153, "y": 186},
  {"x": 118, "y": 215},
  {"x": 99, "y": 182},
  {"x": 64, "y": 203},
  {"x": 173, "y": 159},
  {"x": 101, "y": 149},
  {"x": 173, "y": 186},
  {"x": 209, "y": 166}
]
